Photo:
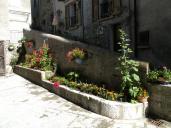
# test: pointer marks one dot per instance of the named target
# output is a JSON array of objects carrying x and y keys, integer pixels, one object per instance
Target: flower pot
[
  {"x": 78, "y": 61},
  {"x": 11, "y": 48},
  {"x": 142, "y": 99}
]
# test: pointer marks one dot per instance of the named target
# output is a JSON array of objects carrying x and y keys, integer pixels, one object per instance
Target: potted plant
[
  {"x": 76, "y": 54},
  {"x": 161, "y": 76},
  {"x": 11, "y": 47},
  {"x": 142, "y": 95}
]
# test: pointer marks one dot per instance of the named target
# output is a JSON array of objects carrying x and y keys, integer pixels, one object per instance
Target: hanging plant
[
  {"x": 78, "y": 55},
  {"x": 11, "y": 47}
]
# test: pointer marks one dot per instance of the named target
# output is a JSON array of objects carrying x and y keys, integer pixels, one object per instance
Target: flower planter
[
  {"x": 78, "y": 61},
  {"x": 111, "y": 109},
  {"x": 159, "y": 100},
  {"x": 34, "y": 76}
]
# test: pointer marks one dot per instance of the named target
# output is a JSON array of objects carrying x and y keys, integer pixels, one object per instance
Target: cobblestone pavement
[{"x": 26, "y": 105}]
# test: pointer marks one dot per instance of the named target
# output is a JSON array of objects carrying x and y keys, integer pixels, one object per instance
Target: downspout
[
  {"x": 82, "y": 15},
  {"x": 135, "y": 29}
]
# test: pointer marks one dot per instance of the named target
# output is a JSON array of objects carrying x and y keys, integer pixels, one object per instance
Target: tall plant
[{"x": 128, "y": 68}]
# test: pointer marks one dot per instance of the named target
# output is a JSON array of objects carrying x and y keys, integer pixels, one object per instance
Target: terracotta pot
[{"x": 142, "y": 99}]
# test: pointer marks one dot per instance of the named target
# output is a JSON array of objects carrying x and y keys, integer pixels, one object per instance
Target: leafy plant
[
  {"x": 159, "y": 75},
  {"x": 153, "y": 75},
  {"x": 14, "y": 60},
  {"x": 128, "y": 68},
  {"x": 73, "y": 76}
]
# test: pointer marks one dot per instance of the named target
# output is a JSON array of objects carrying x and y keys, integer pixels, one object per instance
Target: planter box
[
  {"x": 160, "y": 101},
  {"x": 35, "y": 76},
  {"x": 111, "y": 109}
]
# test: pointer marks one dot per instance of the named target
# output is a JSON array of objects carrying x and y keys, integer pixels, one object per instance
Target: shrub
[
  {"x": 39, "y": 59},
  {"x": 14, "y": 60},
  {"x": 87, "y": 88}
]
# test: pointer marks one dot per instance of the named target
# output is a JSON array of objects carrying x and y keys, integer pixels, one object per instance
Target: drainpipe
[
  {"x": 82, "y": 16},
  {"x": 135, "y": 29}
]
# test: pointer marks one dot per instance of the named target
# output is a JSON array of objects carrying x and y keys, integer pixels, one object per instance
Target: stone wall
[
  {"x": 159, "y": 101},
  {"x": 155, "y": 16},
  {"x": 99, "y": 67}
]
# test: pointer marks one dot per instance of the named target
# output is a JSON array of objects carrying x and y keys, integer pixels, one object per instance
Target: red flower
[
  {"x": 56, "y": 84},
  {"x": 29, "y": 44},
  {"x": 37, "y": 60}
]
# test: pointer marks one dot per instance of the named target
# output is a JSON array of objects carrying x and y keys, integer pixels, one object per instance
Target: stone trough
[
  {"x": 111, "y": 109},
  {"x": 160, "y": 100}
]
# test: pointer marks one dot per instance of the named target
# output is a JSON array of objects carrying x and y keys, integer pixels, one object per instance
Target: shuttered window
[{"x": 105, "y": 8}]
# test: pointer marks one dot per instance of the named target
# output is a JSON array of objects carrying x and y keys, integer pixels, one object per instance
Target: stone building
[
  {"x": 14, "y": 16},
  {"x": 96, "y": 22},
  {"x": 153, "y": 31},
  {"x": 48, "y": 15}
]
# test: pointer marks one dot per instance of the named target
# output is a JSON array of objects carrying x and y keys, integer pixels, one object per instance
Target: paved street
[{"x": 26, "y": 105}]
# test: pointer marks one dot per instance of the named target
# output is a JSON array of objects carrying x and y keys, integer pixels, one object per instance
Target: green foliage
[
  {"x": 76, "y": 53},
  {"x": 39, "y": 59},
  {"x": 14, "y": 60},
  {"x": 87, "y": 88},
  {"x": 153, "y": 76},
  {"x": 157, "y": 75},
  {"x": 128, "y": 69},
  {"x": 73, "y": 76}
]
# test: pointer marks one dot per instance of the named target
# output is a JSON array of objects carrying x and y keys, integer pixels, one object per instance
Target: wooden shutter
[
  {"x": 78, "y": 12},
  {"x": 67, "y": 19},
  {"x": 95, "y": 9},
  {"x": 116, "y": 7}
]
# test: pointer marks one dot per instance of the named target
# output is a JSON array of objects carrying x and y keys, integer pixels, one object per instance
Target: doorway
[
  {"x": 2, "y": 58},
  {"x": 116, "y": 37}
]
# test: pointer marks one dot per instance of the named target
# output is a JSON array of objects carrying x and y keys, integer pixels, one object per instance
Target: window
[
  {"x": 72, "y": 14},
  {"x": 144, "y": 39},
  {"x": 105, "y": 8}
]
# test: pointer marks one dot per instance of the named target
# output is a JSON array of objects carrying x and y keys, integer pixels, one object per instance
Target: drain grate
[{"x": 156, "y": 122}]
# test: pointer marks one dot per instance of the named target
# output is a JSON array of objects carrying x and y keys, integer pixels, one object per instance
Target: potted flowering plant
[{"x": 76, "y": 54}]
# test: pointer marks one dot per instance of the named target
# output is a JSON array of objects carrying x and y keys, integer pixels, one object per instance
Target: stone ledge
[{"x": 111, "y": 109}]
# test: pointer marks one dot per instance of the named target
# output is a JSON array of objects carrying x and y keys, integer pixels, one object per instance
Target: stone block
[
  {"x": 132, "y": 111},
  {"x": 111, "y": 109}
]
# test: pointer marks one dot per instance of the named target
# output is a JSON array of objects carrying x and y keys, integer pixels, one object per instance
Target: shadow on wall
[{"x": 98, "y": 68}]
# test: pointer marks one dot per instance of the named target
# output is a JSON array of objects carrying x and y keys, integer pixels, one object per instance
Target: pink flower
[{"x": 56, "y": 84}]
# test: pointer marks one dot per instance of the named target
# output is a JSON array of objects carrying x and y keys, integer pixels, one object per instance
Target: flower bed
[{"x": 112, "y": 109}]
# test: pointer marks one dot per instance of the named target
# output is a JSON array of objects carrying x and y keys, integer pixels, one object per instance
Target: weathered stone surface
[
  {"x": 112, "y": 109},
  {"x": 159, "y": 101},
  {"x": 26, "y": 105}
]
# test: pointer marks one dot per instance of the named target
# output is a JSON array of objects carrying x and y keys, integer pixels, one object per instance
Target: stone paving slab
[{"x": 26, "y": 105}]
